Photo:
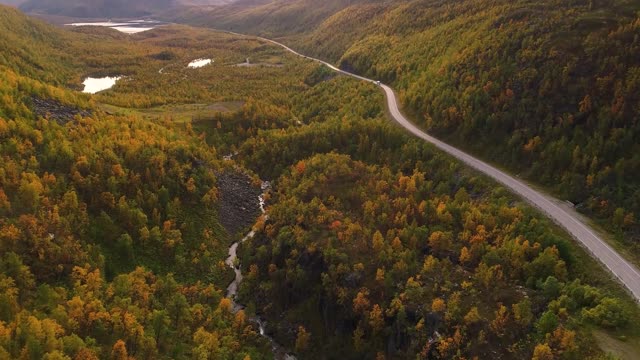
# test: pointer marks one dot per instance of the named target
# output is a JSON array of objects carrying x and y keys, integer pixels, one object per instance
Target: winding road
[{"x": 566, "y": 217}]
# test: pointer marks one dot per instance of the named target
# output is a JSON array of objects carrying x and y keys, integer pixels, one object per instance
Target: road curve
[{"x": 624, "y": 271}]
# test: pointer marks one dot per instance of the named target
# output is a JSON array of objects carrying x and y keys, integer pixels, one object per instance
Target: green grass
[
  {"x": 617, "y": 345},
  {"x": 182, "y": 113}
]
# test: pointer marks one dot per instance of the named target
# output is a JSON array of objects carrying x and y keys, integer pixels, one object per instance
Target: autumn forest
[{"x": 117, "y": 209}]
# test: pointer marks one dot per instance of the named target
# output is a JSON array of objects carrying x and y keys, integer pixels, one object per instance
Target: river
[{"x": 279, "y": 352}]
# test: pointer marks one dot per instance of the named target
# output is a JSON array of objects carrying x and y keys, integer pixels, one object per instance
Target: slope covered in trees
[
  {"x": 111, "y": 243},
  {"x": 548, "y": 90},
  {"x": 32, "y": 48},
  {"x": 376, "y": 246},
  {"x": 85, "y": 203},
  {"x": 380, "y": 267}
]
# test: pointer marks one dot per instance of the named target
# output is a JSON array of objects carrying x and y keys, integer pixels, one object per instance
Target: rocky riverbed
[
  {"x": 239, "y": 208},
  {"x": 279, "y": 352}
]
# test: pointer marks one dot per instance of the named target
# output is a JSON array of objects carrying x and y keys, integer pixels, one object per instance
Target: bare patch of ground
[
  {"x": 248, "y": 63},
  {"x": 239, "y": 205},
  {"x": 625, "y": 350},
  {"x": 55, "y": 110}
]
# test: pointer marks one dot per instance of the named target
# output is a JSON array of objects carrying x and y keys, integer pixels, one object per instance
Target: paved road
[{"x": 626, "y": 273}]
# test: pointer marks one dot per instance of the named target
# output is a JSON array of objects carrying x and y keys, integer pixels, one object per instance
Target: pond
[
  {"x": 94, "y": 85},
  {"x": 197, "y": 63},
  {"x": 127, "y": 27}
]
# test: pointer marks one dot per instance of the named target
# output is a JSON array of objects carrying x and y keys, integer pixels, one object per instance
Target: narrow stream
[{"x": 279, "y": 352}]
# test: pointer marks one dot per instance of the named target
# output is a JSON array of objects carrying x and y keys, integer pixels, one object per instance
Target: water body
[
  {"x": 94, "y": 85},
  {"x": 279, "y": 352},
  {"x": 197, "y": 63},
  {"x": 127, "y": 27}
]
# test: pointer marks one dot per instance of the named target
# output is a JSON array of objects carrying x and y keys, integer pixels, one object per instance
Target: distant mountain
[
  {"x": 267, "y": 17},
  {"x": 204, "y": 2},
  {"x": 12, "y": 2},
  {"x": 96, "y": 8}
]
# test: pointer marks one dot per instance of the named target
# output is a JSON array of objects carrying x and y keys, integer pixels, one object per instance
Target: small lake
[
  {"x": 94, "y": 85},
  {"x": 127, "y": 27},
  {"x": 197, "y": 63}
]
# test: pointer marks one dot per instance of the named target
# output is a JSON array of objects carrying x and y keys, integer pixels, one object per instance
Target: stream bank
[{"x": 238, "y": 203}]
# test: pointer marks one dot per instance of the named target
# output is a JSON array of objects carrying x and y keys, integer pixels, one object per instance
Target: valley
[
  {"x": 124, "y": 214},
  {"x": 535, "y": 95}
]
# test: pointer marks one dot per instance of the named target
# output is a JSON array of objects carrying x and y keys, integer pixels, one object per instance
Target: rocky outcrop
[
  {"x": 55, "y": 110},
  {"x": 239, "y": 206}
]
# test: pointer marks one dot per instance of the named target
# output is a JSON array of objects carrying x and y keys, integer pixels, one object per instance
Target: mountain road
[{"x": 569, "y": 219}]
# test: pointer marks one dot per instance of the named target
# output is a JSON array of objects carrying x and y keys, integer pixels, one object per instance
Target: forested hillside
[
  {"x": 380, "y": 267},
  {"x": 376, "y": 246},
  {"x": 114, "y": 221},
  {"x": 32, "y": 48},
  {"x": 110, "y": 238},
  {"x": 547, "y": 89},
  {"x": 83, "y": 205}
]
